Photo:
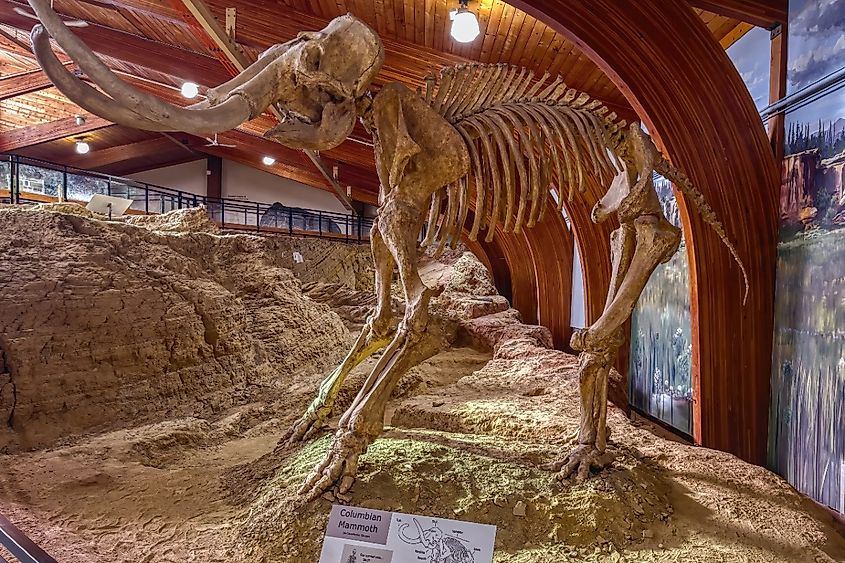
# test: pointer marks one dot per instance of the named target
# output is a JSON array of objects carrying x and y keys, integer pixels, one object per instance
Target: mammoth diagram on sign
[
  {"x": 494, "y": 138},
  {"x": 439, "y": 547}
]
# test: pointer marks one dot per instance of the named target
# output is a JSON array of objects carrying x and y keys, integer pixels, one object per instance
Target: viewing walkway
[{"x": 28, "y": 180}]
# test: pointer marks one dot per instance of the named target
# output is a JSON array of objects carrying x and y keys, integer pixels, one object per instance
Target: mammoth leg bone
[
  {"x": 637, "y": 249},
  {"x": 414, "y": 342},
  {"x": 374, "y": 336}
]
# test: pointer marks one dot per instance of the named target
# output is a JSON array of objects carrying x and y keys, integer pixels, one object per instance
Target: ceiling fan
[{"x": 215, "y": 143}]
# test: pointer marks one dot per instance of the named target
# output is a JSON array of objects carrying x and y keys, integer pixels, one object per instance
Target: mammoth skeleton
[{"x": 491, "y": 137}]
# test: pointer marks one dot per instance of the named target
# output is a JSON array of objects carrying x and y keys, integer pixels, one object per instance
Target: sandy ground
[
  {"x": 465, "y": 440},
  {"x": 466, "y": 433}
]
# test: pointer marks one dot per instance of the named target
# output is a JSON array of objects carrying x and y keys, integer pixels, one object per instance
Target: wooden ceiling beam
[
  {"x": 154, "y": 8},
  {"x": 100, "y": 158},
  {"x": 12, "y": 44},
  {"x": 45, "y": 132},
  {"x": 127, "y": 167},
  {"x": 259, "y": 27},
  {"x": 14, "y": 85},
  {"x": 291, "y": 164},
  {"x": 133, "y": 49},
  {"x": 735, "y": 34},
  {"x": 364, "y": 181},
  {"x": 762, "y": 13}
]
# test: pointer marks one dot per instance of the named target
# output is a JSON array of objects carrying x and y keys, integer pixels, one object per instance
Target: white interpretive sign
[{"x": 362, "y": 535}]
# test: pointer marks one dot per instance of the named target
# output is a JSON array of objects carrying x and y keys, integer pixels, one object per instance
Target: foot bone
[
  {"x": 579, "y": 462},
  {"x": 338, "y": 467}
]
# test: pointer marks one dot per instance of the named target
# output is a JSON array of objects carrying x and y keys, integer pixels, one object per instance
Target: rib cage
[
  {"x": 529, "y": 134},
  {"x": 525, "y": 134}
]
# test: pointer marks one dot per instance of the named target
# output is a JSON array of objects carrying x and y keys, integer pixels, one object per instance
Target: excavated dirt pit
[
  {"x": 198, "y": 490},
  {"x": 467, "y": 431}
]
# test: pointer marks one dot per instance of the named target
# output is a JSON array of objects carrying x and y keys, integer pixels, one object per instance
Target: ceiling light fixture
[
  {"x": 464, "y": 24},
  {"x": 82, "y": 147},
  {"x": 268, "y": 161},
  {"x": 190, "y": 90},
  {"x": 80, "y": 120}
]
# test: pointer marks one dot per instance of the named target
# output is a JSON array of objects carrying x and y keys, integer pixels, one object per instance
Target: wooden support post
[
  {"x": 214, "y": 177},
  {"x": 214, "y": 187},
  {"x": 777, "y": 89}
]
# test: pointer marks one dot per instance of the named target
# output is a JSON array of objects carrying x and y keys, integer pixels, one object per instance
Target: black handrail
[
  {"x": 148, "y": 198},
  {"x": 19, "y": 545}
]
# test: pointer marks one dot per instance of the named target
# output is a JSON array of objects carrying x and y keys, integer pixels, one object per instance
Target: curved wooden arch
[
  {"x": 534, "y": 269},
  {"x": 551, "y": 245},
  {"x": 688, "y": 93}
]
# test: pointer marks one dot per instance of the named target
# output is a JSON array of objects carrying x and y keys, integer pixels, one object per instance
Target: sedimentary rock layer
[{"x": 103, "y": 324}]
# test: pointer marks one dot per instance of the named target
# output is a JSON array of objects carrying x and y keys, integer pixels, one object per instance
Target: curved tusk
[
  {"x": 69, "y": 23},
  {"x": 228, "y": 115},
  {"x": 268, "y": 57},
  {"x": 408, "y": 539},
  {"x": 82, "y": 94}
]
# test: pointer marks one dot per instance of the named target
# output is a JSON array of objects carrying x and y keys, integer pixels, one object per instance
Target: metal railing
[
  {"x": 30, "y": 180},
  {"x": 19, "y": 545}
]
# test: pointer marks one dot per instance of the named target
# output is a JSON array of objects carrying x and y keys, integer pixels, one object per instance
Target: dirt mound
[
  {"x": 465, "y": 438},
  {"x": 191, "y": 220},
  {"x": 485, "y": 479},
  {"x": 106, "y": 323},
  {"x": 471, "y": 449},
  {"x": 327, "y": 261},
  {"x": 353, "y": 306}
]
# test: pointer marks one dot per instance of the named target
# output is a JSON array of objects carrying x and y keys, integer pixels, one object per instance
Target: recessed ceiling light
[
  {"x": 82, "y": 147},
  {"x": 268, "y": 161},
  {"x": 190, "y": 90}
]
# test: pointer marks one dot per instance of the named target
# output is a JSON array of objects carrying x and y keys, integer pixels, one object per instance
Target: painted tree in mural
[
  {"x": 492, "y": 136},
  {"x": 827, "y": 138}
]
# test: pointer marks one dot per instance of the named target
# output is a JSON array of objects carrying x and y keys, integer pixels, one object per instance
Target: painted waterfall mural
[
  {"x": 807, "y": 415},
  {"x": 661, "y": 349}
]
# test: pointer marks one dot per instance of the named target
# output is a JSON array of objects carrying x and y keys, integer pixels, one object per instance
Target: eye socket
[{"x": 311, "y": 55}]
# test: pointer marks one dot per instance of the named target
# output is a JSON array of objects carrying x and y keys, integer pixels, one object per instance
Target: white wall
[
  {"x": 188, "y": 177},
  {"x": 578, "y": 311},
  {"x": 243, "y": 182}
]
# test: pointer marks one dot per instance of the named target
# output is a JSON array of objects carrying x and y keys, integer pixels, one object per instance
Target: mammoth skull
[{"x": 313, "y": 80}]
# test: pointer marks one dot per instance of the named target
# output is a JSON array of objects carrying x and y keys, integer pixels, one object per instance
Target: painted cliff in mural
[{"x": 807, "y": 420}]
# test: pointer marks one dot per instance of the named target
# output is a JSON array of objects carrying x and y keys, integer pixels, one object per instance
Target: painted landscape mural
[
  {"x": 807, "y": 423},
  {"x": 807, "y": 416},
  {"x": 660, "y": 381}
]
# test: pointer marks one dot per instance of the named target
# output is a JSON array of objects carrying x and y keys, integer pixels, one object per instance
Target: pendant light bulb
[{"x": 464, "y": 24}]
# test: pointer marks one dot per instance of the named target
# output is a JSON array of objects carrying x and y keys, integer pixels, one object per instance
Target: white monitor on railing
[{"x": 108, "y": 205}]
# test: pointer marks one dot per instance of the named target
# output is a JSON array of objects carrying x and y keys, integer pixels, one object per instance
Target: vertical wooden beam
[
  {"x": 777, "y": 89},
  {"x": 214, "y": 177}
]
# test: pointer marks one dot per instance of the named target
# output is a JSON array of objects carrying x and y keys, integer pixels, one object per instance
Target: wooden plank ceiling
[{"x": 157, "y": 46}]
